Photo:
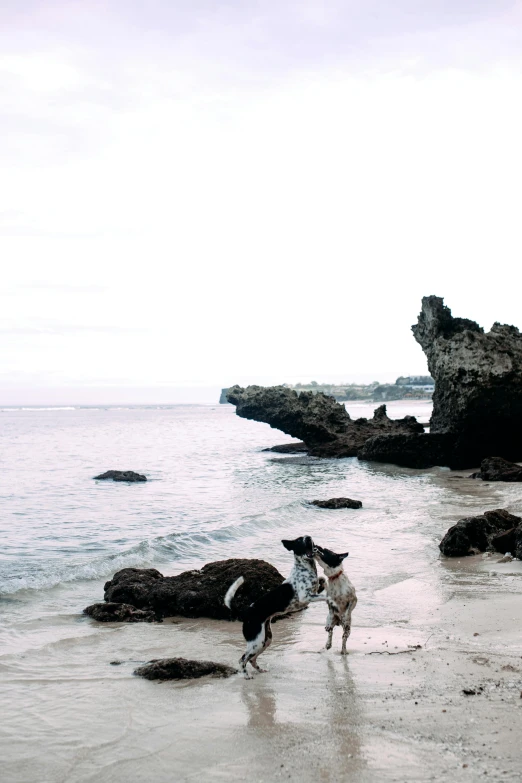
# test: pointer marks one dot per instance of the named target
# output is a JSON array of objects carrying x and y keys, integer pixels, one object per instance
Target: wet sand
[{"x": 389, "y": 711}]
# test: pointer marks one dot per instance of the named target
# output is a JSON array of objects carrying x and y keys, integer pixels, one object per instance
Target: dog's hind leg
[
  {"x": 266, "y": 643},
  {"x": 347, "y": 626},
  {"x": 254, "y": 648},
  {"x": 331, "y": 622}
]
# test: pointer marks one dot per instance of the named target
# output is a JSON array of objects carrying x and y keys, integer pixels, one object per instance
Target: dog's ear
[
  {"x": 287, "y": 544},
  {"x": 345, "y": 554}
]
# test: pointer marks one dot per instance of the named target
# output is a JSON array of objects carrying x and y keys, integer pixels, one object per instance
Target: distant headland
[{"x": 410, "y": 387}]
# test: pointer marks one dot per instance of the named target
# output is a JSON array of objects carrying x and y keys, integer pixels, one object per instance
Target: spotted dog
[
  {"x": 340, "y": 594},
  {"x": 301, "y": 588}
]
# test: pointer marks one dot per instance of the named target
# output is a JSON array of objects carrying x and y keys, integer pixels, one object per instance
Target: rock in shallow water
[
  {"x": 119, "y": 613},
  {"x": 476, "y": 534},
  {"x": 498, "y": 469},
  {"x": 121, "y": 475},
  {"x": 337, "y": 503},
  {"x": 183, "y": 669},
  {"x": 320, "y": 421},
  {"x": 193, "y": 593},
  {"x": 289, "y": 448}
]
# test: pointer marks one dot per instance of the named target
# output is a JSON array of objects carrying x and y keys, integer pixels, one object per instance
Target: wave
[{"x": 147, "y": 553}]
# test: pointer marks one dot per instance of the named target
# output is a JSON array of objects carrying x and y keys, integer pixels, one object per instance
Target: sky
[{"x": 200, "y": 193}]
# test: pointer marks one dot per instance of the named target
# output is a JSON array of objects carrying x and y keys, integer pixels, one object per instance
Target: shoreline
[{"x": 388, "y": 711}]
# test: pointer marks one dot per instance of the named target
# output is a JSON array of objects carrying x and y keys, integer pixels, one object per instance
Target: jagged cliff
[
  {"x": 477, "y": 403},
  {"x": 322, "y": 423},
  {"x": 478, "y": 376}
]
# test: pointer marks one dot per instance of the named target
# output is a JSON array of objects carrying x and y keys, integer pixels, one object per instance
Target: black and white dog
[
  {"x": 340, "y": 594},
  {"x": 301, "y": 588}
]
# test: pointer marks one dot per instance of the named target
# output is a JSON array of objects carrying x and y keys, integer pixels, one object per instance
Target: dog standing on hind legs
[
  {"x": 340, "y": 594},
  {"x": 301, "y": 588}
]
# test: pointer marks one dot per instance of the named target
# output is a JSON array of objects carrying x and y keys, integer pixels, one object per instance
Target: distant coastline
[{"x": 412, "y": 387}]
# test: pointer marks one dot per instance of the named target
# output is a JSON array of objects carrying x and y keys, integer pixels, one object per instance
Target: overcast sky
[{"x": 198, "y": 192}]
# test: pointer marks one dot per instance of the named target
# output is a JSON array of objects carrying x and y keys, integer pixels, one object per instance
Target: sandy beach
[{"x": 389, "y": 711}]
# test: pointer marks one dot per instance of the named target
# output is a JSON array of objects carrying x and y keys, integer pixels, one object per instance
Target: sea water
[{"x": 212, "y": 493}]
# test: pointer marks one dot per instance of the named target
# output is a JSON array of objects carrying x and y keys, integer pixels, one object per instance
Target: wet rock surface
[
  {"x": 477, "y": 534},
  {"x": 320, "y": 421},
  {"x": 193, "y": 593},
  {"x": 183, "y": 669},
  {"x": 478, "y": 382},
  {"x": 505, "y": 542},
  {"x": 412, "y": 451},
  {"x": 337, "y": 503},
  {"x": 120, "y": 613},
  {"x": 120, "y": 475},
  {"x": 498, "y": 469},
  {"x": 289, "y": 448}
]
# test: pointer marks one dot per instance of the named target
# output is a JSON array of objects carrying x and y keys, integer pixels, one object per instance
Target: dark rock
[
  {"x": 337, "y": 503},
  {"x": 120, "y": 613},
  {"x": 411, "y": 451},
  {"x": 478, "y": 382},
  {"x": 517, "y": 552},
  {"x": 194, "y": 593},
  {"x": 505, "y": 542},
  {"x": 183, "y": 669},
  {"x": 317, "y": 419},
  {"x": 475, "y": 534},
  {"x": 121, "y": 475},
  {"x": 498, "y": 469},
  {"x": 289, "y": 448}
]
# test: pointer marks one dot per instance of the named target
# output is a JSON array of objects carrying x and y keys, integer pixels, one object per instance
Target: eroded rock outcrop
[
  {"x": 477, "y": 534},
  {"x": 191, "y": 594},
  {"x": 477, "y": 403},
  {"x": 182, "y": 669},
  {"x": 478, "y": 381},
  {"x": 320, "y": 421}
]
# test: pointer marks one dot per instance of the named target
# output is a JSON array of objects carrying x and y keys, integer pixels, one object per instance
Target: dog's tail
[{"x": 232, "y": 590}]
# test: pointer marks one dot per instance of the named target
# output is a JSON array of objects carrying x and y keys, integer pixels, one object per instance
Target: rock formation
[
  {"x": 182, "y": 669},
  {"x": 337, "y": 503},
  {"x": 477, "y": 403},
  {"x": 478, "y": 381},
  {"x": 190, "y": 594},
  {"x": 121, "y": 475},
  {"x": 498, "y": 469},
  {"x": 477, "y": 534},
  {"x": 412, "y": 451},
  {"x": 318, "y": 420}
]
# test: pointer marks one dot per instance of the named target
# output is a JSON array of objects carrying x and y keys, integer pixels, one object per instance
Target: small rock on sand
[{"x": 182, "y": 669}]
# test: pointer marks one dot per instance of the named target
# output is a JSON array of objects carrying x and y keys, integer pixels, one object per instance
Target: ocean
[{"x": 212, "y": 493}]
